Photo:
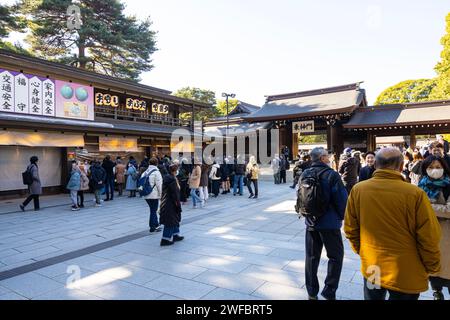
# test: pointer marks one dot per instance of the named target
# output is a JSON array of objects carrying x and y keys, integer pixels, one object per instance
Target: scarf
[{"x": 433, "y": 187}]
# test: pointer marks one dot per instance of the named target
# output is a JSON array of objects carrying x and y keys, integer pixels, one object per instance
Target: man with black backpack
[{"x": 322, "y": 199}]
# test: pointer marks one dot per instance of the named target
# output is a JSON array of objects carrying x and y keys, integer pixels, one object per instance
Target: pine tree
[
  {"x": 107, "y": 41},
  {"x": 9, "y": 22}
]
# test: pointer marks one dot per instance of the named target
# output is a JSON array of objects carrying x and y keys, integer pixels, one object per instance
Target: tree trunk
[{"x": 82, "y": 56}]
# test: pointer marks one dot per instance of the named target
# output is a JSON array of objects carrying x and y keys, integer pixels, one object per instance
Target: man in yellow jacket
[{"x": 392, "y": 226}]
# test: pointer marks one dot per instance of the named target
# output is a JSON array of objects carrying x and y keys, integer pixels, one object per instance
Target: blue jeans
[
  {"x": 169, "y": 232},
  {"x": 238, "y": 178},
  {"x": 195, "y": 198},
  {"x": 153, "y": 205},
  {"x": 109, "y": 187}
]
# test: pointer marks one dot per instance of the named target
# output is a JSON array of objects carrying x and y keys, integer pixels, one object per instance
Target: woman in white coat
[{"x": 155, "y": 180}]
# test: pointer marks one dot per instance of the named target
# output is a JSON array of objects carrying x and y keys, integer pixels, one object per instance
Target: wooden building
[
  {"x": 320, "y": 111},
  {"x": 59, "y": 113}
]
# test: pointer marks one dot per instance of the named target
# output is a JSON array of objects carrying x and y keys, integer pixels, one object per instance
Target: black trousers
[
  {"x": 215, "y": 187},
  {"x": 255, "y": 184},
  {"x": 380, "y": 294},
  {"x": 283, "y": 176},
  {"x": 35, "y": 198},
  {"x": 81, "y": 198},
  {"x": 315, "y": 240},
  {"x": 183, "y": 190}
]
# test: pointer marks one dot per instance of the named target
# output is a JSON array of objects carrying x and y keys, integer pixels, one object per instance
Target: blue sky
[{"x": 256, "y": 47}]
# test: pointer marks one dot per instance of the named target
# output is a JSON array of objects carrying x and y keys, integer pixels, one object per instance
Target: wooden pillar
[
  {"x": 294, "y": 147},
  {"x": 289, "y": 139},
  {"x": 329, "y": 147},
  {"x": 336, "y": 139},
  {"x": 371, "y": 141},
  {"x": 282, "y": 138},
  {"x": 192, "y": 117},
  {"x": 412, "y": 137}
]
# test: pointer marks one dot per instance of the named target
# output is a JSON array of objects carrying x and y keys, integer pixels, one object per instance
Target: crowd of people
[
  {"x": 395, "y": 207},
  {"x": 172, "y": 183}
]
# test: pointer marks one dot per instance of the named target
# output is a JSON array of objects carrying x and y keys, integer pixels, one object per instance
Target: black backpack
[
  {"x": 310, "y": 196},
  {"x": 218, "y": 173},
  {"x": 27, "y": 177}
]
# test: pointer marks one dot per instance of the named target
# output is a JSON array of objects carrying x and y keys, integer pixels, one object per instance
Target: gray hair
[
  {"x": 318, "y": 153},
  {"x": 389, "y": 158}
]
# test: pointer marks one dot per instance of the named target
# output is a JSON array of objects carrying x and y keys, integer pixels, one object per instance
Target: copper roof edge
[
  {"x": 409, "y": 105},
  {"x": 345, "y": 87}
]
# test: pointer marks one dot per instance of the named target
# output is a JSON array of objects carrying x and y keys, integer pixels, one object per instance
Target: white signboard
[
  {"x": 6, "y": 91},
  {"x": 303, "y": 126},
  {"x": 27, "y": 94},
  {"x": 35, "y": 96},
  {"x": 48, "y": 98},
  {"x": 21, "y": 94}
]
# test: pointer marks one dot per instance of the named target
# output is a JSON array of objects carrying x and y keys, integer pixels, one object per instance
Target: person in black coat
[
  {"x": 183, "y": 177},
  {"x": 366, "y": 172},
  {"x": 283, "y": 168},
  {"x": 109, "y": 165},
  {"x": 225, "y": 171},
  {"x": 170, "y": 209},
  {"x": 97, "y": 179}
]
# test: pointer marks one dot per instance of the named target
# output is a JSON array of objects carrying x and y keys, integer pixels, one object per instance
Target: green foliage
[
  {"x": 200, "y": 95},
  {"x": 407, "y": 91},
  {"x": 316, "y": 138},
  {"x": 442, "y": 89},
  {"x": 221, "y": 107},
  {"x": 424, "y": 89},
  {"x": 9, "y": 21},
  {"x": 107, "y": 42}
]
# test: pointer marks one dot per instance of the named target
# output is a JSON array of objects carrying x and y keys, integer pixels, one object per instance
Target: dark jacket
[
  {"x": 204, "y": 178},
  {"x": 225, "y": 170},
  {"x": 284, "y": 165},
  {"x": 97, "y": 174},
  {"x": 306, "y": 165},
  {"x": 170, "y": 209},
  {"x": 183, "y": 173},
  {"x": 447, "y": 159},
  {"x": 446, "y": 146},
  {"x": 366, "y": 173},
  {"x": 163, "y": 169},
  {"x": 144, "y": 164},
  {"x": 335, "y": 194},
  {"x": 349, "y": 169},
  {"x": 108, "y": 165},
  {"x": 239, "y": 169}
]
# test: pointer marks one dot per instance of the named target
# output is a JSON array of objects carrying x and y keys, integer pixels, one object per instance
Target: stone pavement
[{"x": 235, "y": 248}]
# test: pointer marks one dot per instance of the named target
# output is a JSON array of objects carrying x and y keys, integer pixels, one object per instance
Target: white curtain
[
  {"x": 40, "y": 139},
  {"x": 14, "y": 160}
]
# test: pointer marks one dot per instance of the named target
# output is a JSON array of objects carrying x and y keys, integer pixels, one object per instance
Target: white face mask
[{"x": 435, "y": 173}]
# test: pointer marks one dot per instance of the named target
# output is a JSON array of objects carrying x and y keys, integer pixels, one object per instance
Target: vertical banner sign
[
  {"x": 21, "y": 93},
  {"x": 35, "y": 96},
  {"x": 6, "y": 91},
  {"x": 48, "y": 98}
]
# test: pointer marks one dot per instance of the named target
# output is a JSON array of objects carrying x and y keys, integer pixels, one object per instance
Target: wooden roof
[
  {"x": 320, "y": 102},
  {"x": 401, "y": 115},
  {"x": 23, "y": 63}
]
